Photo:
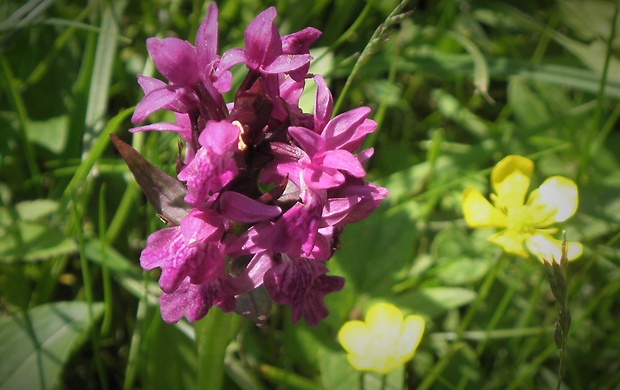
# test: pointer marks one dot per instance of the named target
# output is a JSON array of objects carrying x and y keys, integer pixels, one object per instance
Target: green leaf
[
  {"x": 36, "y": 344},
  {"x": 529, "y": 109},
  {"x": 169, "y": 357},
  {"x": 463, "y": 270},
  {"x": 336, "y": 372},
  {"x": 51, "y": 134},
  {"x": 35, "y": 209},
  {"x": 163, "y": 192},
  {"x": 30, "y": 240},
  {"x": 433, "y": 301},
  {"x": 376, "y": 249},
  {"x": 98, "y": 94}
]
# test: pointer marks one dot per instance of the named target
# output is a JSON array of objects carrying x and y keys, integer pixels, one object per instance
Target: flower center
[{"x": 521, "y": 220}]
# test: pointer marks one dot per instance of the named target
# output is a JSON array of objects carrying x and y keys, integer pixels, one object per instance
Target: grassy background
[{"x": 458, "y": 86}]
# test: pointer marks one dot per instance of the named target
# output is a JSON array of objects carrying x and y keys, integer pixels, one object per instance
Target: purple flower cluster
[{"x": 269, "y": 187}]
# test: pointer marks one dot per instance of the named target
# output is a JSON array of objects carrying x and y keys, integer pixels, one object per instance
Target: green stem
[
  {"x": 587, "y": 150},
  {"x": 16, "y": 101},
  {"x": 213, "y": 334},
  {"x": 358, "y": 63},
  {"x": 560, "y": 368},
  {"x": 105, "y": 274},
  {"x": 88, "y": 293},
  {"x": 347, "y": 34},
  {"x": 370, "y": 48},
  {"x": 469, "y": 316}
]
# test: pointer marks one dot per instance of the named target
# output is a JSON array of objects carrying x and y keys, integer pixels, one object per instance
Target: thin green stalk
[
  {"x": 373, "y": 45},
  {"x": 545, "y": 38},
  {"x": 123, "y": 211},
  {"x": 371, "y": 139},
  {"x": 105, "y": 53},
  {"x": 586, "y": 152},
  {"x": 285, "y": 378},
  {"x": 105, "y": 274},
  {"x": 350, "y": 31},
  {"x": 19, "y": 107},
  {"x": 135, "y": 345},
  {"x": 528, "y": 371},
  {"x": 88, "y": 293},
  {"x": 526, "y": 316},
  {"x": 43, "y": 66},
  {"x": 497, "y": 315},
  {"x": 469, "y": 316}
]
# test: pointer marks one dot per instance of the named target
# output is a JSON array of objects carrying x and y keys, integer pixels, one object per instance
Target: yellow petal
[
  {"x": 410, "y": 338},
  {"x": 546, "y": 247},
  {"x": 363, "y": 363},
  {"x": 355, "y": 336},
  {"x": 384, "y": 320},
  {"x": 555, "y": 200},
  {"x": 511, "y": 180},
  {"x": 478, "y": 212},
  {"x": 510, "y": 241},
  {"x": 383, "y": 342}
]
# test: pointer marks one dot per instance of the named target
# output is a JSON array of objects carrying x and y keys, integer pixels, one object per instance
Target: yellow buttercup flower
[
  {"x": 526, "y": 224},
  {"x": 383, "y": 342}
]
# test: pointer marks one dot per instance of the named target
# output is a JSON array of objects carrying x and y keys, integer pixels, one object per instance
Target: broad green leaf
[
  {"x": 30, "y": 210},
  {"x": 30, "y": 240},
  {"x": 528, "y": 107},
  {"x": 36, "y": 344},
  {"x": 461, "y": 271},
  {"x": 588, "y": 19},
  {"x": 394, "y": 380},
  {"x": 433, "y": 301},
  {"x": 451, "y": 108},
  {"x": 34, "y": 209},
  {"x": 169, "y": 357},
  {"x": 51, "y": 134},
  {"x": 115, "y": 262},
  {"x": 336, "y": 372},
  {"x": 376, "y": 249}
]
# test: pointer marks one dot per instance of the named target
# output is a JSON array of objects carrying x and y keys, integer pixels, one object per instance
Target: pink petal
[
  {"x": 202, "y": 225},
  {"x": 300, "y": 41},
  {"x": 262, "y": 40},
  {"x": 149, "y": 84},
  {"x": 342, "y": 160},
  {"x": 220, "y": 137},
  {"x": 308, "y": 140},
  {"x": 287, "y": 63},
  {"x": 323, "y": 104},
  {"x": 240, "y": 208},
  {"x": 342, "y": 128},
  {"x": 206, "y": 40},
  {"x": 321, "y": 178},
  {"x": 175, "y": 59}
]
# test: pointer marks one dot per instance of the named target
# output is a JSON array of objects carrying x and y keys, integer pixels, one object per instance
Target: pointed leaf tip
[{"x": 163, "y": 192}]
